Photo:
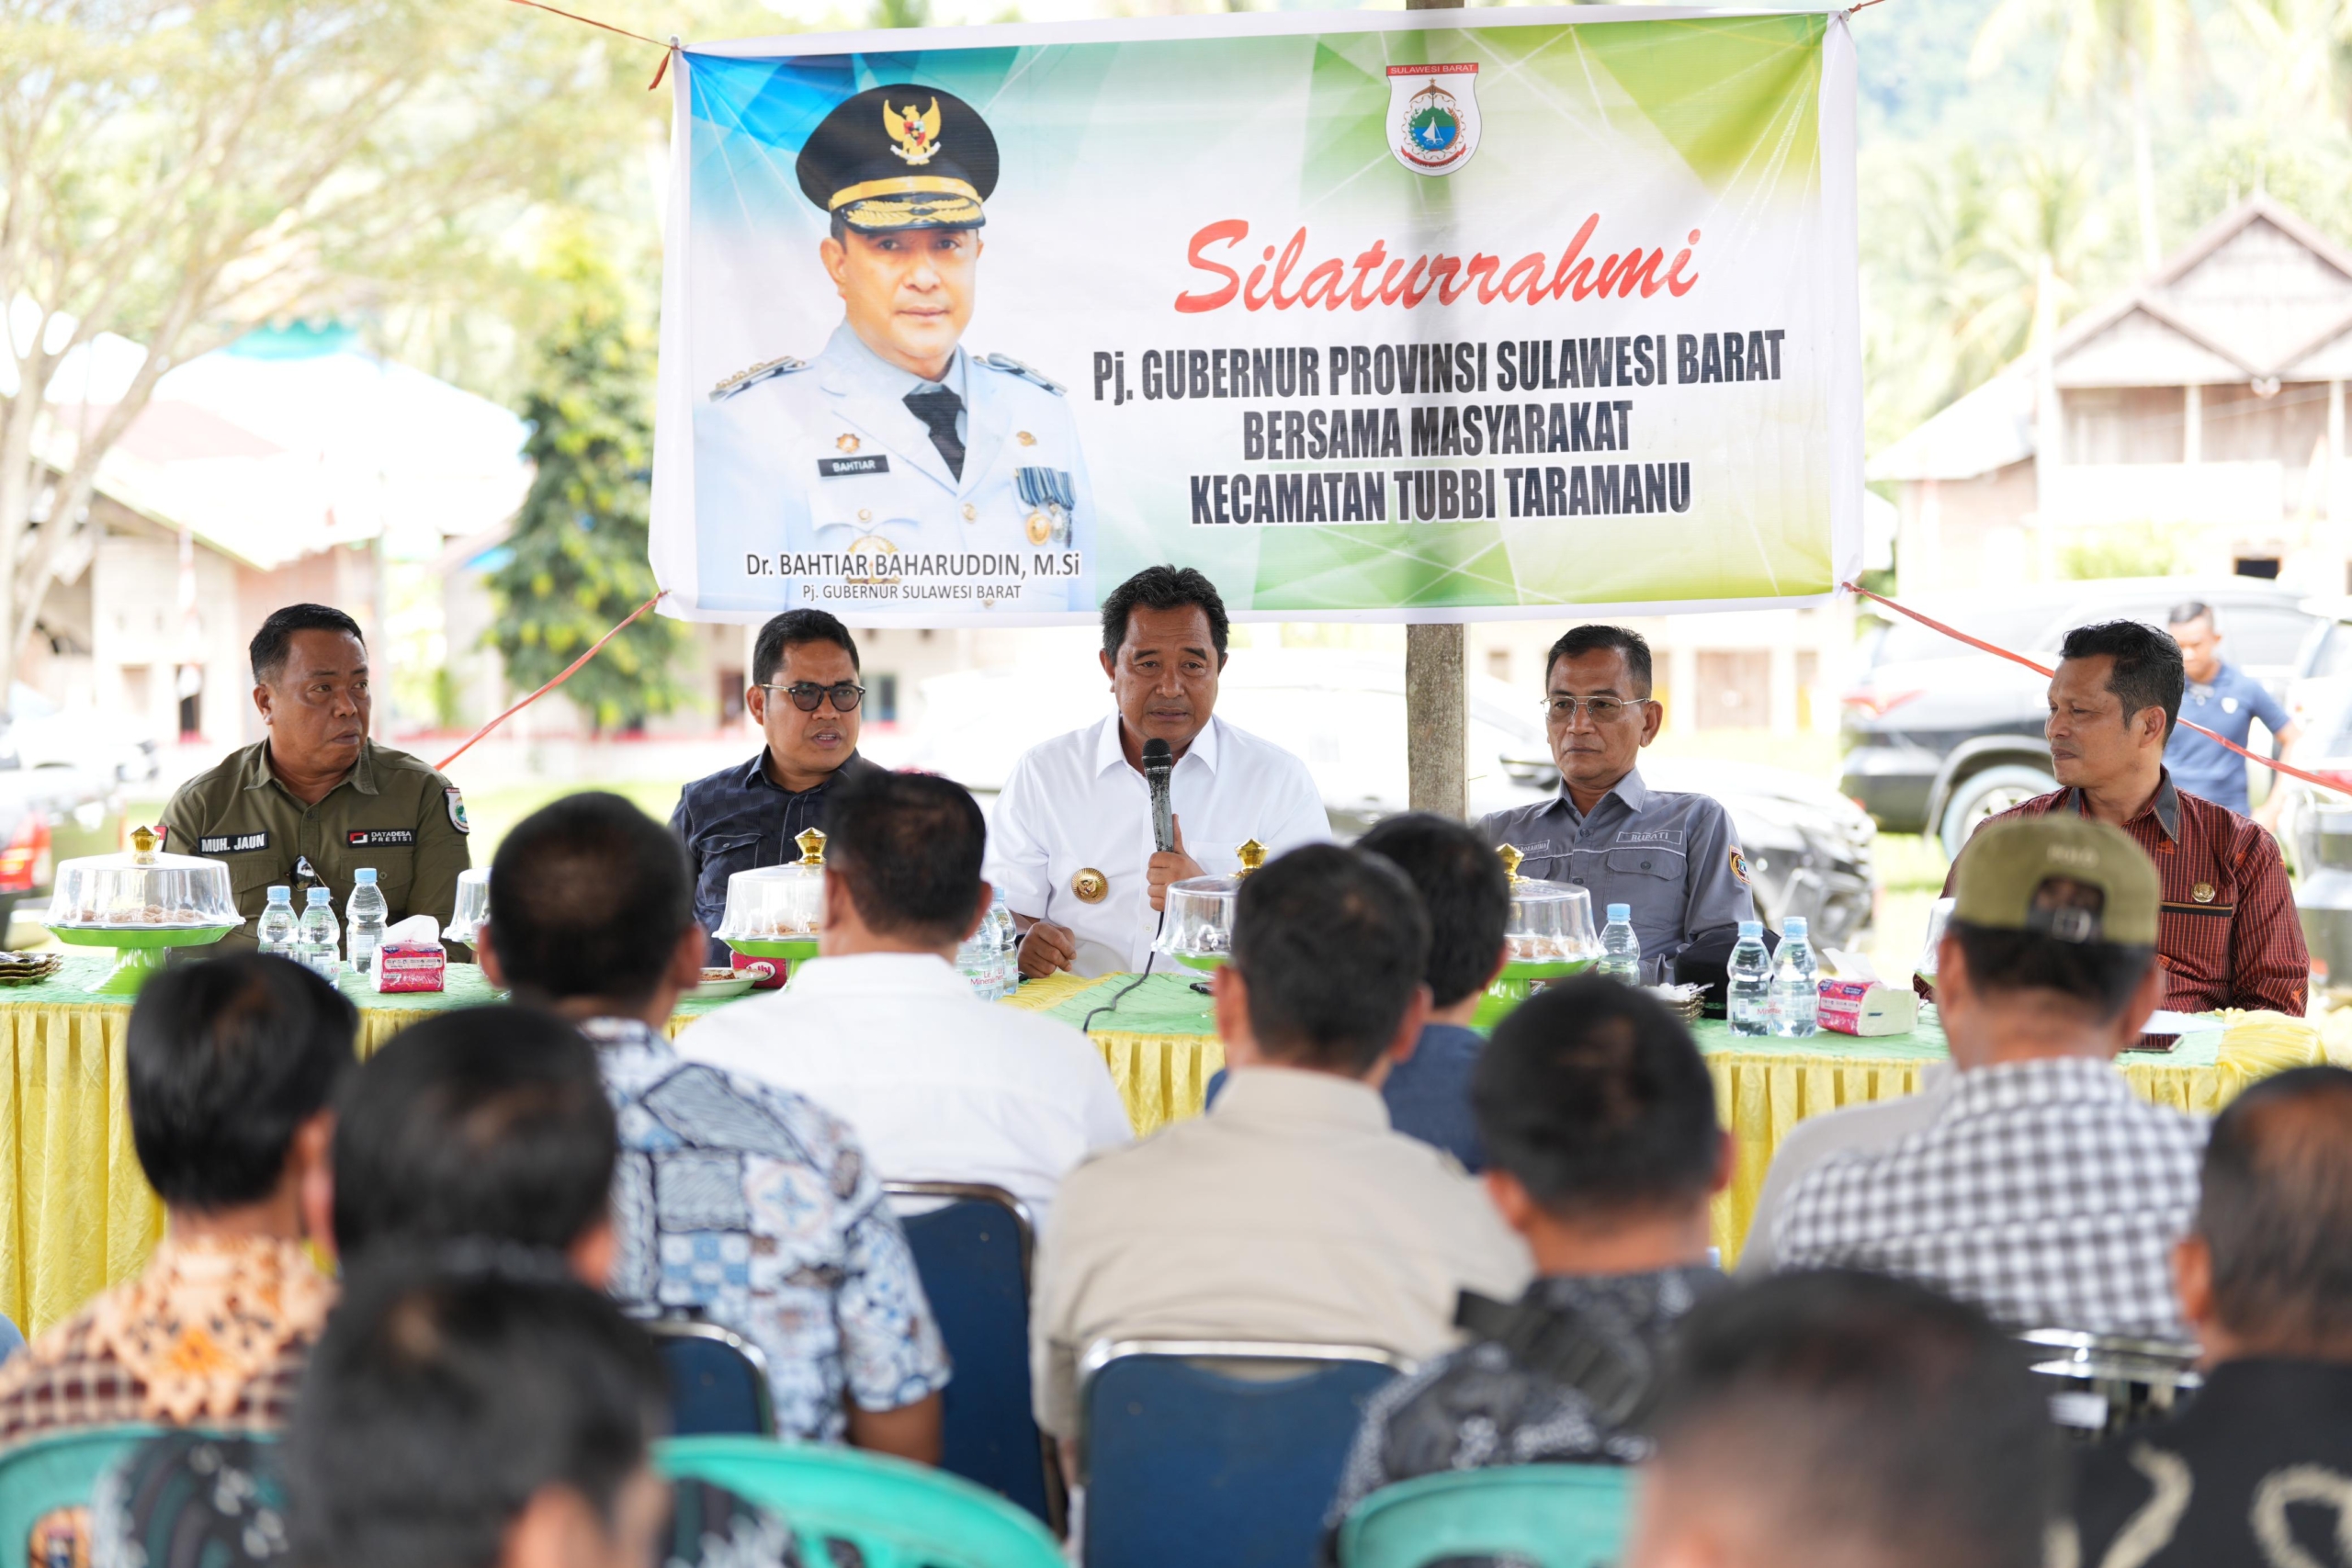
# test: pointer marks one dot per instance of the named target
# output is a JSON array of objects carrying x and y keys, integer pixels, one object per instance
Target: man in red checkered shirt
[{"x": 2227, "y": 935}]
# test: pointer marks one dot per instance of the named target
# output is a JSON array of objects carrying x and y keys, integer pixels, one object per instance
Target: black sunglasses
[{"x": 807, "y": 695}]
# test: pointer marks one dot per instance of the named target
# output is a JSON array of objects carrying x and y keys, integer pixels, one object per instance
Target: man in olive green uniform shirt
[{"x": 318, "y": 800}]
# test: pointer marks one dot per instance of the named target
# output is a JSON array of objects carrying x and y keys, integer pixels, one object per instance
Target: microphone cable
[{"x": 1150, "y": 955}]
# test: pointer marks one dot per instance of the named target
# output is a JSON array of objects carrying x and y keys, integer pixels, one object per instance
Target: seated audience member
[
  {"x": 2256, "y": 1470},
  {"x": 1467, "y": 896},
  {"x": 1601, "y": 1118},
  {"x": 1871, "y": 1127},
  {"x": 1290, "y": 1209},
  {"x": 491, "y": 1124},
  {"x": 2229, "y": 937},
  {"x": 486, "y": 1413},
  {"x": 1845, "y": 1419},
  {"x": 885, "y": 1033},
  {"x": 232, "y": 1066},
  {"x": 1674, "y": 859},
  {"x": 733, "y": 1198},
  {"x": 2044, "y": 1191}
]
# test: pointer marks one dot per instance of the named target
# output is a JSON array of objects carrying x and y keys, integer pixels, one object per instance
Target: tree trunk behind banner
[{"x": 1436, "y": 747}]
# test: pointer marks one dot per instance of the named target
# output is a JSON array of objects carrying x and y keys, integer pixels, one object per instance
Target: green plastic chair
[
  {"x": 1550, "y": 1516},
  {"x": 895, "y": 1514},
  {"x": 56, "y": 1473}
]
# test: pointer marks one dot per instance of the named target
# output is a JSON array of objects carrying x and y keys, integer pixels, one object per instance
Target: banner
[{"x": 1373, "y": 315}]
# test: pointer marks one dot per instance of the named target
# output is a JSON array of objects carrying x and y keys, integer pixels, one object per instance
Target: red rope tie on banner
[
  {"x": 666, "y": 49},
  {"x": 1979, "y": 643},
  {"x": 569, "y": 670}
]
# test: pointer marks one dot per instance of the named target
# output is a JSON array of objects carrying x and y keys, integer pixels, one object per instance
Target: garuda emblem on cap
[{"x": 917, "y": 135}]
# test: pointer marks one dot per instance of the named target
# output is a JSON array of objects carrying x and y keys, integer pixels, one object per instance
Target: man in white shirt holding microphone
[{"x": 1073, "y": 843}]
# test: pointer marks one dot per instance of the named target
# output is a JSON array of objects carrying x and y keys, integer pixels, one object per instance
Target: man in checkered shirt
[{"x": 2044, "y": 1191}]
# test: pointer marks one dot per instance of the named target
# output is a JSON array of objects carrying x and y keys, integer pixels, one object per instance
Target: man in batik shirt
[{"x": 232, "y": 1065}]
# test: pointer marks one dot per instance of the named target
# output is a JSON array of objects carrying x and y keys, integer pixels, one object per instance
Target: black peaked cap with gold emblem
[{"x": 901, "y": 157}]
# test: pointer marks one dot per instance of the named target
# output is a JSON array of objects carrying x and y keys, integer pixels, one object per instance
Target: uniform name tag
[
  {"x": 1652, "y": 836},
  {"x": 233, "y": 844},
  {"x": 380, "y": 837},
  {"x": 838, "y": 468}
]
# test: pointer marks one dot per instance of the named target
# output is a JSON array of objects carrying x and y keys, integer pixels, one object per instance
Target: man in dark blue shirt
[
  {"x": 1463, "y": 886},
  {"x": 2225, "y": 700},
  {"x": 804, "y": 696}
]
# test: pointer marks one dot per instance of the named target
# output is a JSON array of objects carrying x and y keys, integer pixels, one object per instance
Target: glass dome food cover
[
  {"x": 777, "y": 911},
  {"x": 1549, "y": 934},
  {"x": 1198, "y": 930},
  {"x": 140, "y": 902},
  {"x": 473, "y": 905},
  {"x": 142, "y": 892}
]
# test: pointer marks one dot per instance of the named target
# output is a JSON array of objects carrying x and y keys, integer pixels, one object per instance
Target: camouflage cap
[{"x": 2006, "y": 868}]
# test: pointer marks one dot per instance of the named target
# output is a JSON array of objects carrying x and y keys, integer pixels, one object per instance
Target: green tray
[
  {"x": 1202, "y": 960},
  {"x": 1518, "y": 982},
  {"x": 138, "y": 954},
  {"x": 793, "y": 949}
]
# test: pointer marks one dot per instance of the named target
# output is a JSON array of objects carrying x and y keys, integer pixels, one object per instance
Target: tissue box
[
  {"x": 1865, "y": 1008},
  {"x": 412, "y": 968}
]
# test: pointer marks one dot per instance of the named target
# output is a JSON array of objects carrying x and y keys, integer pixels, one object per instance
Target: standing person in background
[
  {"x": 806, "y": 699},
  {"x": 2225, "y": 700},
  {"x": 317, "y": 800},
  {"x": 1070, "y": 842},
  {"x": 1674, "y": 859},
  {"x": 750, "y": 1205}
]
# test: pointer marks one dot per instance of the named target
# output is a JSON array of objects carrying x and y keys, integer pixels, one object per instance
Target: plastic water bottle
[
  {"x": 1749, "y": 1001},
  {"x": 364, "y": 914},
  {"x": 1008, "y": 947},
  {"x": 1796, "y": 983},
  {"x": 322, "y": 938},
  {"x": 980, "y": 961},
  {"x": 1620, "y": 950},
  {"x": 277, "y": 928}
]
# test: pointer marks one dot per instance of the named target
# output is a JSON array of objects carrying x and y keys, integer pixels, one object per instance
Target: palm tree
[{"x": 2137, "y": 45}]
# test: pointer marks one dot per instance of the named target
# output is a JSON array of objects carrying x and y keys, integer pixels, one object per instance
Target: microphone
[{"x": 1157, "y": 761}]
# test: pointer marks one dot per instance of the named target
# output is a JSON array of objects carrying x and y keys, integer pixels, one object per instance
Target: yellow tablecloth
[{"x": 77, "y": 1215}]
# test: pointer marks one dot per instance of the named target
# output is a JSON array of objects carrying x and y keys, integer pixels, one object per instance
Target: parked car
[
  {"x": 1807, "y": 846},
  {"x": 48, "y": 814},
  {"x": 1939, "y": 737},
  {"x": 39, "y": 734}
]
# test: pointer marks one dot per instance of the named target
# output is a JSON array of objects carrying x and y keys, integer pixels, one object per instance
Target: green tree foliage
[{"x": 578, "y": 564}]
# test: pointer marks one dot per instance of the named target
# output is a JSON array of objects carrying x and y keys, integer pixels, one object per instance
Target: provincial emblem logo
[
  {"x": 916, "y": 135},
  {"x": 1433, "y": 116}
]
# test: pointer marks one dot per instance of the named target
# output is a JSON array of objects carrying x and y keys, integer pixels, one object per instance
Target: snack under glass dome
[
  {"x": 778, "y": 903},
  {"x": 1550, "y": 923},
  {"x": 142, "y": 892}
]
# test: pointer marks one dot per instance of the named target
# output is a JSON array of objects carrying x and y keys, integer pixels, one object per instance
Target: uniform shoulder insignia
[
  {"x": 783, "y": 365},
  {"x": 1009, "y": 366}
]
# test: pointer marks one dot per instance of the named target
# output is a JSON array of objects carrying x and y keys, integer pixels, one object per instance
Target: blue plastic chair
[
  {"x": 851, "y": 1507},
  {"x": 1549, "y": 1516},
  {"x": 50, "y": 1473},
  {"x": 718, "y": 1380},
  {"x": 1189, "y": 1463},
  {"x": 973, "y": 1255}
]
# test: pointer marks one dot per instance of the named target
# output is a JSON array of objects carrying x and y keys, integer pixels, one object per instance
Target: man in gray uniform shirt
[{"x": 1673, "y": 858}]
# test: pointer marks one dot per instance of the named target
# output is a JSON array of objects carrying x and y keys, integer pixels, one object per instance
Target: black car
[{"x": 1939, "y": 737}]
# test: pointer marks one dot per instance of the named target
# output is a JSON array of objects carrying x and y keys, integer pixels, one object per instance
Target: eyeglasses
[
  {"x": 1601, "y": 710},
  {"x": 807, "y": 695}
]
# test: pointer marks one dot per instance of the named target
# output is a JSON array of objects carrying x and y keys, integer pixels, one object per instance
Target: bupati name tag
[
  {"x": 841, "y": 467},
  {"x": 380, "y": 837},
  {"x": 1651, "y": 836},
  {"x": 233, "y": 844}
]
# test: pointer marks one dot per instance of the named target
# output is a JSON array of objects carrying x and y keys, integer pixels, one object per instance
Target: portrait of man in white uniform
[{"x": 895, "y": 436}]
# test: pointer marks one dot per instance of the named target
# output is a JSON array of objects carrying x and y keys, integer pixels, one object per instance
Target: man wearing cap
[
  {"x": 2227, "y": 935},
  {"x": 895, "y": 437},
  {"x": 2044, "y": 1189}
]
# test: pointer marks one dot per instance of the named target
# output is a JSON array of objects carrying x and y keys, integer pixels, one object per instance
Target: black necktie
[{"x": 937, "y": 408}]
